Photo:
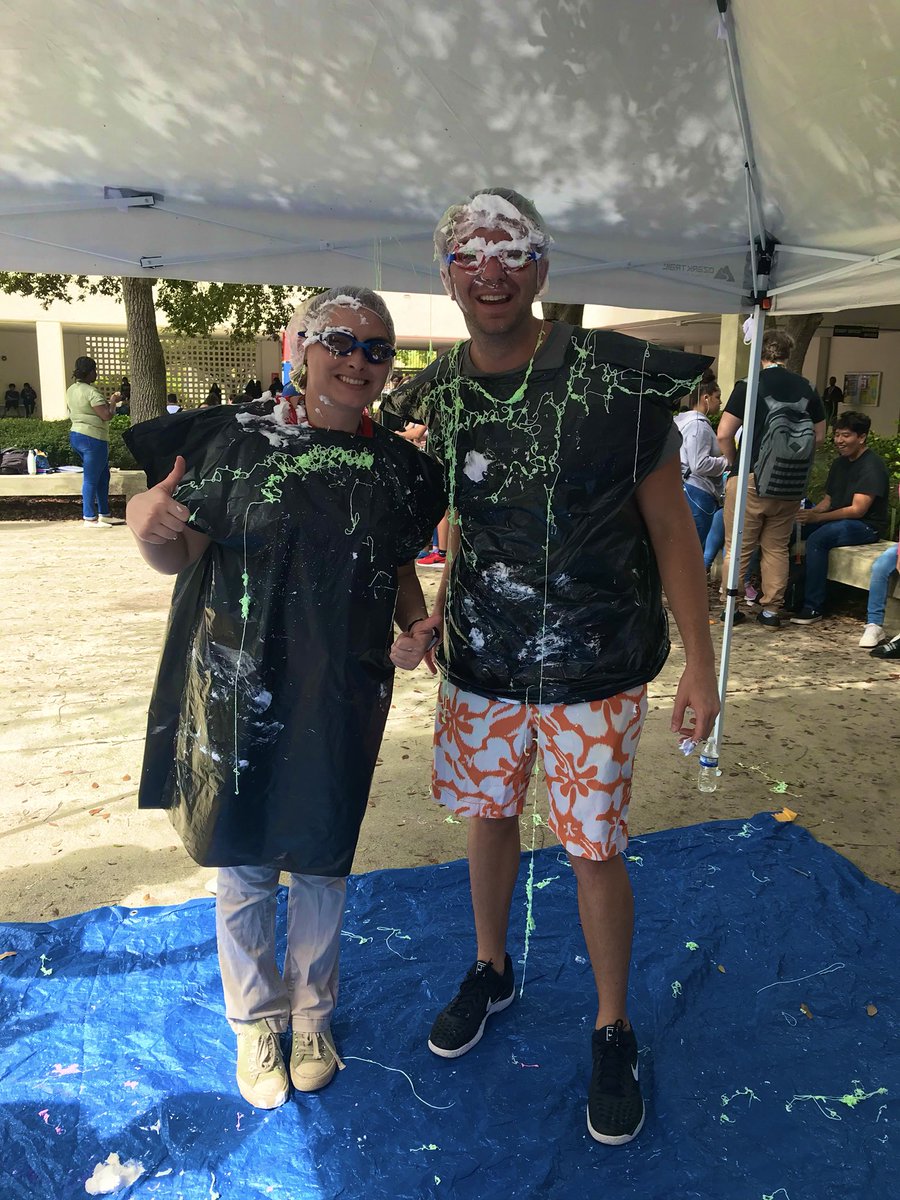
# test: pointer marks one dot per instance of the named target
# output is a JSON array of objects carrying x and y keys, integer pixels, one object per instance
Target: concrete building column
[
  {"x": 52, "y": 367},
  {"x": 733, "y": 359},
  {"x": 822, "y": 346}
]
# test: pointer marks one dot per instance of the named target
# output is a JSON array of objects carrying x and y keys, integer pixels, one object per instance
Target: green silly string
[
  {"x": 724, "y": 1119},
  {"x": 274, "y": 469},
  {"x": 588, "y": 380},
  {"x": 850, "y": 1100}
]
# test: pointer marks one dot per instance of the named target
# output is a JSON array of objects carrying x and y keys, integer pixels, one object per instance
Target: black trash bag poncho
[
  {"x": 555, "y": 595},
  {"x": 274, "y": 682}
]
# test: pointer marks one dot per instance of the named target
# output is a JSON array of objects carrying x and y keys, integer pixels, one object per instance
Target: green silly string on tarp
[{"x": 849, "y": 1099}]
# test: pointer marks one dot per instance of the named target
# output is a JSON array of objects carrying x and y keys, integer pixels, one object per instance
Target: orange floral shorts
[{"x": 484, "y": 752}]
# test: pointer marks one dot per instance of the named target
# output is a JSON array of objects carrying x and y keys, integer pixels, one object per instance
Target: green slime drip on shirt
[
  {"x": 588, "y": 377},
  {"x": 274, "y": 469}
]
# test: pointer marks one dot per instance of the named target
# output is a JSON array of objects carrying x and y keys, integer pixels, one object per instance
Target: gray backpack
[{"x": 786, "y": 450}]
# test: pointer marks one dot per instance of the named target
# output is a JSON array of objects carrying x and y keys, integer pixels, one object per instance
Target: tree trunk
[
  {"x": 801, "y": 328},
  {"x": 147, "y": 363},
  {"x": 573, "y": 313}
]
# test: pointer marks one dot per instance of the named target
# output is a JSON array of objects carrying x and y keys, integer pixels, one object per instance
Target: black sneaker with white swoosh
[
  {"x": 483, "y": 992},
  {"x": 615, "y": 1109}
]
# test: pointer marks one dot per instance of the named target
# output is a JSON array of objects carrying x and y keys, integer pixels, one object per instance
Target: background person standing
[
  {"x": 702, "y": 464},
  {"x": 90, "y": 414},
  {"x": 768, "y": 519},
  {"x": 832, "y": 397}
]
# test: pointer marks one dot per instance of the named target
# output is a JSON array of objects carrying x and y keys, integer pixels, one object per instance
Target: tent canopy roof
[{"x": 311, "y": 143}]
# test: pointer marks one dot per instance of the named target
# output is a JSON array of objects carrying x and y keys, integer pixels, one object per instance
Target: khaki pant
[
  {"x": 305, "y": 995},
  {"x": 767, "y": 524}
]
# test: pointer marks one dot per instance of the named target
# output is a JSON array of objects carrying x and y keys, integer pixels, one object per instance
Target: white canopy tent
[
  {"x": 304, "y": 142},
  {"x": 705, "y": 155}
]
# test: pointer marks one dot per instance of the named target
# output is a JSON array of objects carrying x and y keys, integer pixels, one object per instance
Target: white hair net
[
  {"x": 316, "y": 314},
  {"x": 491, "y": 208}
]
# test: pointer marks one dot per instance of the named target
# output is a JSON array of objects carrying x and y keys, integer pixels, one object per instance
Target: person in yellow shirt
[{"x": 90, "y": 414}]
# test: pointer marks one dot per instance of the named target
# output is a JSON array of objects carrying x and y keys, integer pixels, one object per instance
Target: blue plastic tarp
[{"x": 757, "y": 952}]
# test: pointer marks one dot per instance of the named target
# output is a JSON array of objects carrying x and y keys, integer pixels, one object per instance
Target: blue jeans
[
  {"x": 882, "y": 569},
  {"x": 94, "y": 455},
  {"x": 715, "y": 538},
  {"x": 819, "y": 541},
  {"x": 703, "y": 509}
]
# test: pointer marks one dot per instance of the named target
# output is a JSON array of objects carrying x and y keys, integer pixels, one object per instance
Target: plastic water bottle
[
  {"x": 32, "y": 463},
  {"x": 709, "y": 766}
]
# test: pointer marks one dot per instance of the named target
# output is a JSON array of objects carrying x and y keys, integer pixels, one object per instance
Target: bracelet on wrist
[{"x": 415, "y": 622}]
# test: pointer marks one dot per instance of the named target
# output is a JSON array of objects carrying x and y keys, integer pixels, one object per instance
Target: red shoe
[{"x": 434, "y": 559}]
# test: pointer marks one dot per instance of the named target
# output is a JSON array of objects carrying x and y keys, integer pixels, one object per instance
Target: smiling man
[
  {"x": 565, "y": 494},
  {"x": 853, "y": 511}
]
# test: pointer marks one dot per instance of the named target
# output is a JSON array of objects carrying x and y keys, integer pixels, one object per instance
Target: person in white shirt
[{"x": 702, "y": 463}]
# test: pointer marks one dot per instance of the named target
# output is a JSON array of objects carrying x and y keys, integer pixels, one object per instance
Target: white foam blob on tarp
[{"x": 113, "y": 1175}]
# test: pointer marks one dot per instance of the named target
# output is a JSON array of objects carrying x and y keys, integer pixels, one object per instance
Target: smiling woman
[
  {"x": 343, "y": 348},
  {"x": 293, "y": 526}
]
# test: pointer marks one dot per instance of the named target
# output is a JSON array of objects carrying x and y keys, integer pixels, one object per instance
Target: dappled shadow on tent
[
  {"x": 332, "y": 113},
  {"x": 756, "y": 955},
  {"x": 359, "y": 129}
]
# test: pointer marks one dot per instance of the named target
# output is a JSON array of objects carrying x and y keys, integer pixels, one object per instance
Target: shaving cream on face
[{"x": 486, "y": 211}]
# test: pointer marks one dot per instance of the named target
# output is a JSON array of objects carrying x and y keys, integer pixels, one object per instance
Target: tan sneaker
[
  {"x": 314, "y": 1060},
  {"x": 261, "y": 1076}
]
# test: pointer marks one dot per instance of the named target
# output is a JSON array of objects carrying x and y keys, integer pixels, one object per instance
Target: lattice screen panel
[
  {"x": 192, "y": 364},
  {"x": 110, "y": 352}
]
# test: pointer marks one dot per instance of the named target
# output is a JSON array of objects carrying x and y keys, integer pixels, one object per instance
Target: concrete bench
[
  {"x": 852, "y": 565},
  {"x": 67, "y": 483}
]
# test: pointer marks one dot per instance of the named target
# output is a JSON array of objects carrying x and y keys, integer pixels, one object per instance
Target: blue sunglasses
[{"x": 336, "y": 341}]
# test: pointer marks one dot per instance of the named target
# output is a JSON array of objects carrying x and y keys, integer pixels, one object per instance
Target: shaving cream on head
[
  {"x": 493, "y": 208},
  {"x": 314, "y": 316}
]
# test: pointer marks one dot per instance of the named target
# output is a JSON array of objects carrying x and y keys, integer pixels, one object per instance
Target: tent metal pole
[
  {"x": 888, "y": 259},
  {"x": 755, "y": 207},
  {"x": 74, "y": 206},
  {"x": 677, "y": 254},
  {"x": 94, "y": 254},
  {"x": 819, "y": 252},
  {"x": 740, "y": 506}
]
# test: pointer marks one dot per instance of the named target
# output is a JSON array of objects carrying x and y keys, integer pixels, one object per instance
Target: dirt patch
[
  {"x": 811, "y": 723},
  {"x": 50, "y": 508}
]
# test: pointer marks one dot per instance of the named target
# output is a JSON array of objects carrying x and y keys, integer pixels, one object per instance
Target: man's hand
[
  {"x": 808, "y": 516},
  {"x": 411, "y": 648},
  {"x": 415, "y": 433},
  {"x": 153, "y": 516},
  {"x": 697, "y": 691}
]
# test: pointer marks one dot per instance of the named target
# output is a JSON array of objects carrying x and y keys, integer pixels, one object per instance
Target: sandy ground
[{"x": 811, "y": 724}]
